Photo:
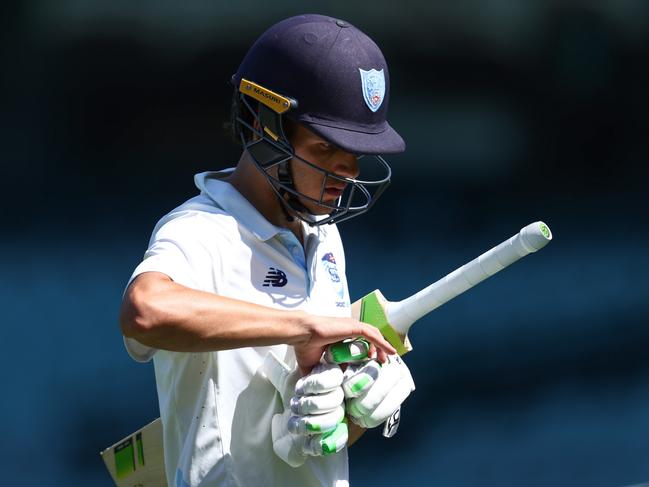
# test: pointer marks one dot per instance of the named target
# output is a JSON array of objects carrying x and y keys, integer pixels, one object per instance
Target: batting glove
[
  {"x": 312, "y": 423},
  {"x": 374, "y": 392}
]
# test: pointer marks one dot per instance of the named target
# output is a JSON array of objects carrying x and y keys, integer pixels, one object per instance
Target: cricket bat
[
  {"x": 394, "y": 318},
  {"x": 138, "y": 459},
  {"x": 134, "y": 462}
]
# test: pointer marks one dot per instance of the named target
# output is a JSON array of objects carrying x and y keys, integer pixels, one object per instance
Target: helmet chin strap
[
  {"x": 285, "y": 177},
  {"x": 288, "y": 201}
]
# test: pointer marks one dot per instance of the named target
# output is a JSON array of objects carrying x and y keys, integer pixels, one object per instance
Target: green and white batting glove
[
  {"x": 313, "y": 420},
  {"x": 374, "y": 392}
]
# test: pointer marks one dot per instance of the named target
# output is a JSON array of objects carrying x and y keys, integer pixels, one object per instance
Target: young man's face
[{"x": 309, "y": 181}]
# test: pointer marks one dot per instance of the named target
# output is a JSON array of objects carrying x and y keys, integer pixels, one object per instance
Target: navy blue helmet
[{"x": 333, "y": 79}]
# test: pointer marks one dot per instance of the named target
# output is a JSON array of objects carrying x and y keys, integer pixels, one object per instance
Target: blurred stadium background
[{"x": 512, "y": 112}]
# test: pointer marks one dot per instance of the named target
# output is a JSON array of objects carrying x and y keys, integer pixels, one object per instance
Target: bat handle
[{"x": 402, "y": 314}]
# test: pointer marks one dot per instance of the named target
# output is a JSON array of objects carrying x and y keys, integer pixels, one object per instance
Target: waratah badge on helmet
[{"x": 373, "y": 83}]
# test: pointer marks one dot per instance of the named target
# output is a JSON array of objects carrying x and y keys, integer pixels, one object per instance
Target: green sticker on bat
[
  {"x": 140, "y": 449},
  {"x": 372, "y": 313},
  {"x": 124, "y": 458}
]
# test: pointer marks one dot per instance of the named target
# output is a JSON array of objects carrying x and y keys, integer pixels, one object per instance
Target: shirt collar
[{"x": 226, "y": 197}]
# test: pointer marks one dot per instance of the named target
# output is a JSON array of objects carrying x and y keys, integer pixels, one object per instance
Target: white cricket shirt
[{"x": 217, "y": 407}]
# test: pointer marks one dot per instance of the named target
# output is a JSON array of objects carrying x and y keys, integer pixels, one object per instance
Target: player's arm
[{"x": 160, "y": 313}]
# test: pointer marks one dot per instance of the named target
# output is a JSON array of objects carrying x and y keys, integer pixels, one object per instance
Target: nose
[{"x": 346, "y": 165}]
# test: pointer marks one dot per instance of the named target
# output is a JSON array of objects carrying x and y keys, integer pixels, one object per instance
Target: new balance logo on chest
[{"x": 275, "y": 278}]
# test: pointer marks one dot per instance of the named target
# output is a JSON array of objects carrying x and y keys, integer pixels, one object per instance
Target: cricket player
[{"x": 243, "y": 287}]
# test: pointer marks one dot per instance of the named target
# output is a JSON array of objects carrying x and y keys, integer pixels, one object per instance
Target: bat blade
[
  {"x": 369, "y": 309},
  {"x": 138, "y": 459},
  {"x": 373, "y": 309}
]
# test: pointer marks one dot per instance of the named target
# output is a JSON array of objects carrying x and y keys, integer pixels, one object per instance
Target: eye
[{"x": 325, "y": 147}]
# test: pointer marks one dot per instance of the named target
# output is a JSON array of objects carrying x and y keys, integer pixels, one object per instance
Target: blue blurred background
[{"x": 512, "y": 111}]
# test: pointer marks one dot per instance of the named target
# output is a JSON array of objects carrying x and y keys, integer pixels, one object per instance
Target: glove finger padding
[
  {"x": 380, "y": 390},
  {"x": 389, "y": 390},
  {"x": 384, "y": 409},
  {"x": 328, "y": 443},
  {"x": 359, "y": 378},
  {"x": 294, "y": 449},
  {"x": 287, "y": 446},
  {"x": 312, "y": 423},
  {"x": 317, "y": 403},
  {"x": 316, "y": 423},
  {"x": 348, "y": 351},
  {"x": 324, "y": 377}
]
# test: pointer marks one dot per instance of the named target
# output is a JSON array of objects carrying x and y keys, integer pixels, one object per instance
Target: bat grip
[{"x": 402, "y": 314}]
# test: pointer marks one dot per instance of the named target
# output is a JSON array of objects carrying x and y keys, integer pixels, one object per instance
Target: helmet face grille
[{"x": 275, "y": 157}]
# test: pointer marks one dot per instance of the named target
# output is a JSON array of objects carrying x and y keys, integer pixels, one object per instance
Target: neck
[{"x": 254, "y": 186}]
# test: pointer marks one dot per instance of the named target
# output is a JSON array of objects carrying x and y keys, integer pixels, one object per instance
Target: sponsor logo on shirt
[
  {"x": 329, "y": 263},
  {"x": 275, "y": 278}
]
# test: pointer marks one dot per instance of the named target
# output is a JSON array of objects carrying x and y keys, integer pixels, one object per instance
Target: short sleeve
[
  {"x": 168, "y": 256},
  {"x": 178, "y": 250}
]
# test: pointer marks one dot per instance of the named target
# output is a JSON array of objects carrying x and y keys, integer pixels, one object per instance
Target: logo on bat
[
  {"x": 373, "y": 83},
  {"x": 275, "y": 278}
]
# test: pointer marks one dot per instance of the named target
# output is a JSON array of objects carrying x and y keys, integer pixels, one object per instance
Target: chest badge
[
  {"x": 329, "y": 263},
  {"x": 275, "y": 278}
]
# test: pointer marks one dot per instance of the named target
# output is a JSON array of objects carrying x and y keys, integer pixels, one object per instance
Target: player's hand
[
  {"x": 374, "y": 392},
  {"x": 312, "y": 423},
  {"x": 323, "y": 331}
]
